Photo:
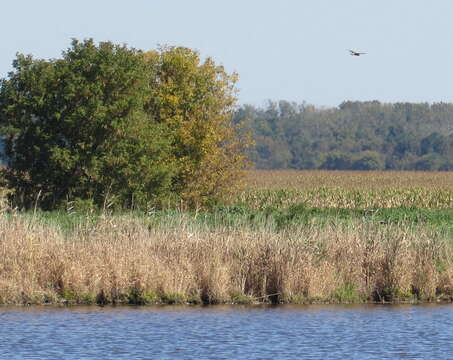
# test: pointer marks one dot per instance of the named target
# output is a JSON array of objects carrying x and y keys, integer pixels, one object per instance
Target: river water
[{"x": 228, "y": 332}]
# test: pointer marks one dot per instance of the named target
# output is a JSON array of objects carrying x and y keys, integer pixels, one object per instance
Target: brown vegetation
[{"x": 123, "y": 260}]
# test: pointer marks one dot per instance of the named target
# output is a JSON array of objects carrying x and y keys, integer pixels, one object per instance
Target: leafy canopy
[
  {"x": 196, "y": 101},
  {"x": 109, "y": 122}
]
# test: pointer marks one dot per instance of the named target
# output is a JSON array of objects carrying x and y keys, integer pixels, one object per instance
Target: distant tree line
[{"x": 353, "y": 136}]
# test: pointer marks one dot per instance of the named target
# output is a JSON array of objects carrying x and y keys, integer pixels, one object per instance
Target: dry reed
[{"x": 122, "y": 259}]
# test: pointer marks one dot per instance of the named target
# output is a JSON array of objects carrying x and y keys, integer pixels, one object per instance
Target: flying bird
[{"x": 356, "y": 53}]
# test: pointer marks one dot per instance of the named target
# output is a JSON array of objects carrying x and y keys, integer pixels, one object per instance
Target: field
[
  {"x": 291, "y": 237},
  {"x": 346, "y": 189},
  {"x": 354, "y": 180}
]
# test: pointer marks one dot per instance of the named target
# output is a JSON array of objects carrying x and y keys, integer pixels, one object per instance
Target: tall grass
[
  {"x": 124, "y": 259},
  {"x": 288, "y": 237}
]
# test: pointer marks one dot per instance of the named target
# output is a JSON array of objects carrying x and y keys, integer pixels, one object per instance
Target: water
[{"x": 228, "y": 332}]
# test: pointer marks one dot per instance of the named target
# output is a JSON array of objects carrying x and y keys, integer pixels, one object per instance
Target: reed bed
[
  {"x": 288, "y": 237},
  {"x": 126, "y": 259}
]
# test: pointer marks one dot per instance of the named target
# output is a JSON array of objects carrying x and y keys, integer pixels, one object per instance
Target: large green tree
[
  {"x": 110, "y": 123},
  {"x": 74, "y": 128}
]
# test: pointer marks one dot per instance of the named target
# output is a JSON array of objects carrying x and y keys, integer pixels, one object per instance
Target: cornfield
[{"x": 348, "y": 189}]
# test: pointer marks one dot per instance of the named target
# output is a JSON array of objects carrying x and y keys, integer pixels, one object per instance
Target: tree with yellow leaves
[{"x": 196, "y": 100}]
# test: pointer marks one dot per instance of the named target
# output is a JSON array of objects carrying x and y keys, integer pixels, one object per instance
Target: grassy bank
[
  {"x": 130, "y": 259},
  {"x": 284, "y": 248}
]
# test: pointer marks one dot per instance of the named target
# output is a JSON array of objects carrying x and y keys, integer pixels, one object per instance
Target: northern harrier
[{"x": 356, "y": 53}]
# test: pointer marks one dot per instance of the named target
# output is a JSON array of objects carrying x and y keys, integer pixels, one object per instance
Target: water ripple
[{"x": 225, "y": 332}]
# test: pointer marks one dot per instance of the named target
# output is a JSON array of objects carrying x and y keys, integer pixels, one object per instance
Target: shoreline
[
  {"x": 176, "y": 260},
  {"x": 68, "y": 304}
]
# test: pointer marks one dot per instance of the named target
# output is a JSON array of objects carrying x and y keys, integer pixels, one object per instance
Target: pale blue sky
[{"x": 282, "y": 49}]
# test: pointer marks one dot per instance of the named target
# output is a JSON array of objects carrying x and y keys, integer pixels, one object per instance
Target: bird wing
[{"x": 356, "y": 53}]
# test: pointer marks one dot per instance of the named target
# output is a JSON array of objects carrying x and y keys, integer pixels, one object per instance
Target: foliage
[
  {"x": 74, "y": 128},
  {"x": 434, "y": 143},
  {"x": 368, "y": 160},
  {"x": 431, "y": 161},
  {"x": 196, "y": 100},
  {"x": 114, "y": 125},
  {"x": 336, "y": 161},
  {"x": 393, "y": 136}
]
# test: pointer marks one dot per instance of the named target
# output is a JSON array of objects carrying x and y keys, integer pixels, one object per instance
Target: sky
[{"x": 294, "y": 50}]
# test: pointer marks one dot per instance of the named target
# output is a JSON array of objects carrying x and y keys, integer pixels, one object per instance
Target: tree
[
  {"x": 336, "y": 161},
  {"x": 368, "y": 160},
  {"x": 435, "y": 142},
  {"x": 196, "y": 101},
  {"x": 312, "y": 137},
  {"x": 430, "y": 162},
  {"x": 109, "y": 121}
]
